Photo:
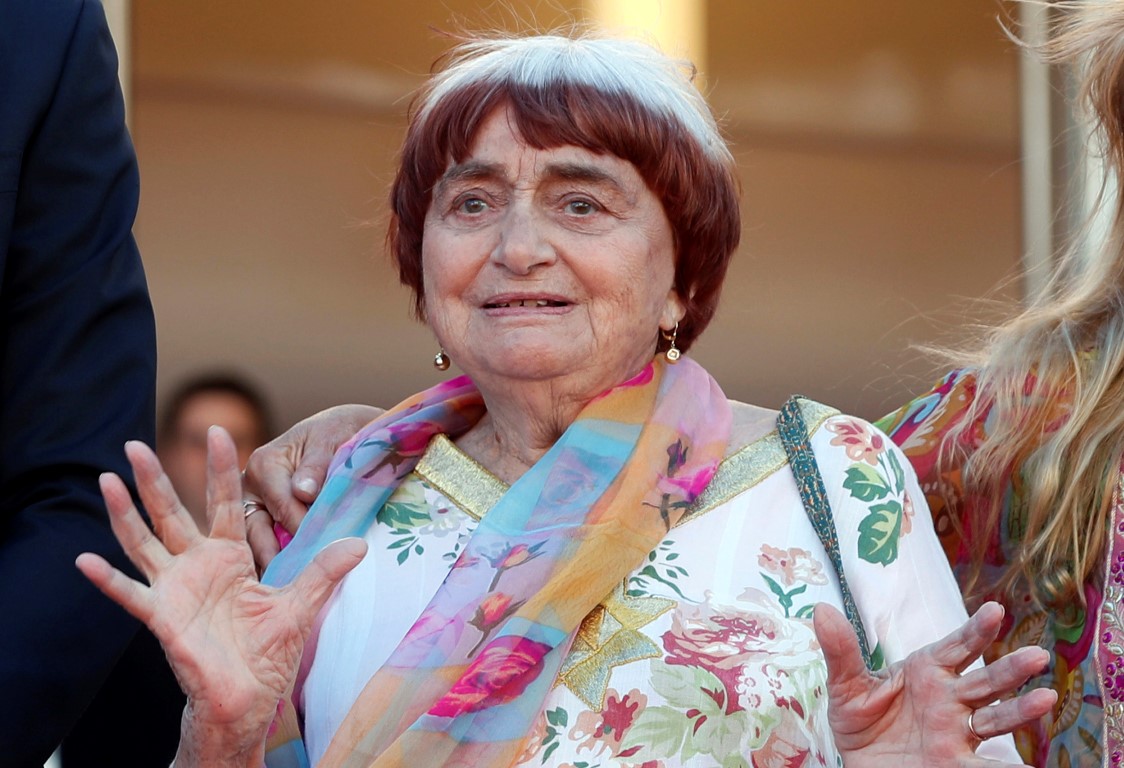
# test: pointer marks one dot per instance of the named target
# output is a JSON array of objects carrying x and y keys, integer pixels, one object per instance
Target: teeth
[{"x": 526, "y": 303}]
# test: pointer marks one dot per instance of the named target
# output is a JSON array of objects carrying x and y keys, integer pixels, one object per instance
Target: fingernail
[{"x": 306, "y": 485}]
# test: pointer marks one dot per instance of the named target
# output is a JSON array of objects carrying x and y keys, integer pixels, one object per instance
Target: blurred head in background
[{"x": 221, "y": 399}]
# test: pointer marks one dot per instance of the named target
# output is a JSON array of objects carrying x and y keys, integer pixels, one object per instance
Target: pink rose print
[
  {"x": 786, "y": 747},
  {"x": 791, "y": 565},
  {"x": 492, "y": 611},
  {"x": 605, "y": 730},
  {"x": 857, "y": 439},
  {"x": 504, "y": 668},
  {"x": 511, "y": 557}
]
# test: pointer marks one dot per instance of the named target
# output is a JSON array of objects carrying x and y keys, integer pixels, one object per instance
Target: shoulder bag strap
[{"x": 794, "y": 436}]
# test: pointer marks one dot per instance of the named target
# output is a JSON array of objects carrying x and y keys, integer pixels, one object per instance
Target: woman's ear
[{"x": 675, "y": 309}]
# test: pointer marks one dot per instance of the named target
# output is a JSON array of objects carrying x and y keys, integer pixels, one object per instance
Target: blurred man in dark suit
[{"x": 77, "y": 360}]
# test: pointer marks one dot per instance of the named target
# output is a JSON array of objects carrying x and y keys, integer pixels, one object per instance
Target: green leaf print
[
  {"x": 406, "y": 508},
  {"x": 865, "y": 483},
  {"x": 557, "y": 717},
  {"x": 680, "y": 685},
  {"x": 659, "y": 732},
  {"x": 879, "y": 533},
  {"x": 899, "y": 473},
  {"x": 659, "y": 569}
]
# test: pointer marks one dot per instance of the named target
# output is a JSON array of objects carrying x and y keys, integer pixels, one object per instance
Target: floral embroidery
[{"x": 878, "y": 480}]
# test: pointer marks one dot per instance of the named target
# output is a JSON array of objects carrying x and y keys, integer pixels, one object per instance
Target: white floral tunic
[{"x": 706, "y": 655}]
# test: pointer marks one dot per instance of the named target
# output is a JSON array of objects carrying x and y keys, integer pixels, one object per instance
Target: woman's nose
[{"x": 524, "y": 241}]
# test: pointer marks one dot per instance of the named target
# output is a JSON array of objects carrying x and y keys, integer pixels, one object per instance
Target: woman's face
[{"x": 547, "y": 264}]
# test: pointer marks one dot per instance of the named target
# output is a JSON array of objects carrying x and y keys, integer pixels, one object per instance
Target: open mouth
[{"x": 526, "y": 303}]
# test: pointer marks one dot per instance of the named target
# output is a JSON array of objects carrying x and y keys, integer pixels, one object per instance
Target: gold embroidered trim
[
  {"x": 455, "y": 475},
  {"x": 752, "y": 464}
]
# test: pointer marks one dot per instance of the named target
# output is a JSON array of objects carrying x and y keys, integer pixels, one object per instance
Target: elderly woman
[{"x": 580, "y": 552}]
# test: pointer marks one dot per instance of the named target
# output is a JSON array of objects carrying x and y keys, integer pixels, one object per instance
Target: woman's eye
[
  {"x": 580, "y": 207},
  {"x": 472, "y": 205}
]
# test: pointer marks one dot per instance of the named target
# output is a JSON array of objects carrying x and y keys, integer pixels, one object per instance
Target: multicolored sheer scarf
[{"x": 466, "y": 683}]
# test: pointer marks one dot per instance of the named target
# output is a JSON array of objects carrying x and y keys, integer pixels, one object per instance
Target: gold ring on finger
[{"x": 249, "y": 507}]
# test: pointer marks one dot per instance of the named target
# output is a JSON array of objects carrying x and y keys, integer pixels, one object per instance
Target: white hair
[{"x": 659, "y": 83}]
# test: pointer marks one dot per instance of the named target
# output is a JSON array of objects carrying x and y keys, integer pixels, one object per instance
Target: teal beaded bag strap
[{"x": 794, "y": 437}]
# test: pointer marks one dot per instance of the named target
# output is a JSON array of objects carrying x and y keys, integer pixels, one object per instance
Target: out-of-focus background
[{"x": 886, "y": 150}]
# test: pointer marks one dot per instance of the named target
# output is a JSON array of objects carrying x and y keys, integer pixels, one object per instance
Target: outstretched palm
[
  {"x": 233, "y": 643},
  {"x": 916, "y": 711}
]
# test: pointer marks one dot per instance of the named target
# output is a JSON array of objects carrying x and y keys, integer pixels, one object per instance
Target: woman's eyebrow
[
  {"x": 571, "y": 171},
  {"x": 469, "y": 170}
]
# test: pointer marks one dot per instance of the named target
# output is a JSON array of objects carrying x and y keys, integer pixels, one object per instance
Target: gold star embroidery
[{"x": 609, "y": 637}]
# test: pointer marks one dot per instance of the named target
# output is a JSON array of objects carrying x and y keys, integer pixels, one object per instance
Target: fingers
[
  {"x": 173, "y": 523},
  {"x": 131, "y": 595},
  {"x": 962, "y": 646},
  {"x": 840, "y": 646},
  {"x": 315, "y": 583},
  {"x": 270, "y": 476},
  {"x": 262, "y": 539},
  {"x": 224, "y": 487},
  {"x": 1006, "y": 674},
  {"x": 145, "y": 551},
  {"x": 1008, "y": 715}
]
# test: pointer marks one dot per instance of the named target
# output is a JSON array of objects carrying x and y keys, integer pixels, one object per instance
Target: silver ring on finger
[
  {"x": 972, "y": 727},
  {"x": 250, "y": 506}
]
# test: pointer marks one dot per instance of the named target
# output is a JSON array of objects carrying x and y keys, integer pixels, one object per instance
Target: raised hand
[
  {"x": 233, "y": 643},
  {"x": 286, "y": 474},
  {"x": 916, "y": 711}
]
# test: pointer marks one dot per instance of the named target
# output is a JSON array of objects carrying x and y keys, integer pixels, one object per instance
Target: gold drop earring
[
  {"x": 441, "y": 360},
  {"x": 672, "y": 354}
]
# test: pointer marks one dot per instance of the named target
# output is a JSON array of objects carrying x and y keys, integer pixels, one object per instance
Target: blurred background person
[
  {"x": 134, "y": 722},
  {"x": 222, "y": 399},
  {"x": 77, "y": 360}
]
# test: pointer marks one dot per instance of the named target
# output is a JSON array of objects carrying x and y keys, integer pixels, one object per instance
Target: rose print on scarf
[
  {"x": 401, "y": 441},
  {"x": 512, "y": 556},
  {"x": 731, "y": 677},
  {"x": 676, "y": 491},
  {"x": 790, "y": 566},
  {"x": 878, "y": 480},
  {"x": 492, "y": 611},
  {"x": 502, "y": 670}
]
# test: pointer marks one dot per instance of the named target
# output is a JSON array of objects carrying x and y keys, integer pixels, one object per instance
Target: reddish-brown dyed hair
[{"x": 608, "y": 96}]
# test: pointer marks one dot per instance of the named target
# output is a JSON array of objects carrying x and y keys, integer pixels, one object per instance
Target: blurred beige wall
[{"x": 877, "y": 142}]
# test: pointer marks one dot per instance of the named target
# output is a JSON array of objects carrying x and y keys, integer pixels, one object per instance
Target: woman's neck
[{"x": 518, "y": 429}]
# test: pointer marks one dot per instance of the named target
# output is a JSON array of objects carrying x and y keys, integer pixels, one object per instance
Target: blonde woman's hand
[
  {"x": 916, "y": 711},
  {"x": 233, "y": 643}
]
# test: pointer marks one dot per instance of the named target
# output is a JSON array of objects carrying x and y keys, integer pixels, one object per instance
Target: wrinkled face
[{"x": 547, "y": 264}]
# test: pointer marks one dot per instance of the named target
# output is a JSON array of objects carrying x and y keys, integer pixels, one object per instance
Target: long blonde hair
[{"x": 1051, "y": 381}]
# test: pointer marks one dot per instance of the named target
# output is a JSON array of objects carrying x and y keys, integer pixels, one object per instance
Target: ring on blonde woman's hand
[
  {"x": 972, "y": 727},
  {"x": 250, "y": 506}
]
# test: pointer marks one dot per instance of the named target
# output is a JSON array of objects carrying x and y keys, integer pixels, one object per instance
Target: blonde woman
[{"x": 1019, "y": 453}]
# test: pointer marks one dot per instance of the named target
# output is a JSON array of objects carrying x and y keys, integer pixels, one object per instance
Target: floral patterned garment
[
  {"x": 705, "y": 655},
  {"x": 1078, "y": 731}
]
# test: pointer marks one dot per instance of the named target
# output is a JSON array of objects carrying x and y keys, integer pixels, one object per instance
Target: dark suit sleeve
[{"x": 77, "y": 372}]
